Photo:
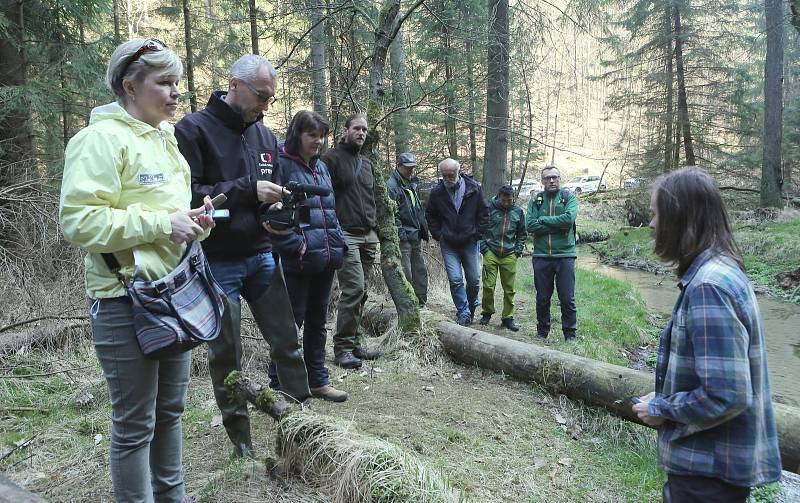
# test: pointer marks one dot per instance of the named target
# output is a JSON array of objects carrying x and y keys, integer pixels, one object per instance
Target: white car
[
  {"x": 529, "y": 187},
  {"x": 584, "y": 184}
]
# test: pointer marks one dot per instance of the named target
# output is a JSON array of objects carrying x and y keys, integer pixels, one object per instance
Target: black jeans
[
  {"x": 310, "y": 295},
  {"x": 558, "y": 272},
  {"x": 689, "y": 489}
]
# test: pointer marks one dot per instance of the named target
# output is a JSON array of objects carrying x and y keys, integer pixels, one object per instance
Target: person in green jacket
[
  {"x": 126, "y": 187},
  {"x": 551, "y": 221},
  {"x": 501, "y": 246}
]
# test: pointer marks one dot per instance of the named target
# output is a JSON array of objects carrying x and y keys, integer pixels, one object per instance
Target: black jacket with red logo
[{"x": 228, "y": 156}]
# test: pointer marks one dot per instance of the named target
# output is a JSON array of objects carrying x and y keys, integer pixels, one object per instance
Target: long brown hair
[{"x": 691, "y": 218}]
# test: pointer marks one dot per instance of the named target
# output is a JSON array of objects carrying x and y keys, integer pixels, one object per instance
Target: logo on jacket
[
  {"x": 151, "y": 178},
  {"x": 265, "y": 163}
]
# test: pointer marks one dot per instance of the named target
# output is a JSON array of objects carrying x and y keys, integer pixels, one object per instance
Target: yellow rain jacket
[{"x": 122, "y": 179}]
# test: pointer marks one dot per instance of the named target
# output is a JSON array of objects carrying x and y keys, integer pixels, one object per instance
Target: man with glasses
[
  {"x": 551, "y": 220},
  {"x": 231, "y": 152}
]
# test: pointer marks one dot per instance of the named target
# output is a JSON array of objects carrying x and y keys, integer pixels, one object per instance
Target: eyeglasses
[
  {"x": 149, "y": 45},
  {"x": 263, "y": 98},
  {"x": 550, "y": 177}
]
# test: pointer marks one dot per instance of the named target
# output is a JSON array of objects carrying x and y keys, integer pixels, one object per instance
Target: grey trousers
[
  {"x": 414, "y": 268},
  {"x": 147, "y": 401}
]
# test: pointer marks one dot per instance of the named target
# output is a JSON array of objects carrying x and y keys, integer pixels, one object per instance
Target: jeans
[
  {"x": 464, "y": 257},
  {"x": 414, "y": 268},
  {"x": 562, "y": 271},
  {"x": 248, "y": 277},
  {"x": 691, "y": 489},
  {"x": 147, "y": 401},
  {"x": 310, "y": 295}
]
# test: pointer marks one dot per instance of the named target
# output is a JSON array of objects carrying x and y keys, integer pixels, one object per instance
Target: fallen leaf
[
  {"x": 538, "y": 463},
  {"x": 363, "y": 373},
  {"x": 456, "y": 376},
  {"x": 98, "y": 438},
  {"x": 366, "y": 388},
  {"x": 427, "y": 388},
  {"x": 565, "y": 462},
  {"x": 216, "y": 421},
  {"x": 560, "y": 419},
  {"x": 575, "y": 431},
  {"x": 378, "y": 370},
  {"x": 84, "y": 400}
]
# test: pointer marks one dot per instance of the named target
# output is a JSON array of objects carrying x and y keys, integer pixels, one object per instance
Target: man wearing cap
[
  {"x": 411, "y": 225},
  {"x": 501, "y": 245}
]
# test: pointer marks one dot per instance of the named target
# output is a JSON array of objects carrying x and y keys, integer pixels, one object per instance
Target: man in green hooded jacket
[
  {"x": 501, "y": 246},
  {"x": 551, "y": 221}
]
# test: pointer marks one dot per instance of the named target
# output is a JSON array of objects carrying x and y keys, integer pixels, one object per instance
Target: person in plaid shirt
[{"x": 712, "y": 403}]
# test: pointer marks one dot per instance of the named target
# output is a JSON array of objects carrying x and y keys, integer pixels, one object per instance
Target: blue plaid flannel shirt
[{"x": 711, "y": 380}]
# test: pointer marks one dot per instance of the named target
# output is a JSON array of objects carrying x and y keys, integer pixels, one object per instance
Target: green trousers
[
  {"x": 507, "y": 266},
  {"x": 358, "y": 260},
  {"x": 414, "y": 268}
]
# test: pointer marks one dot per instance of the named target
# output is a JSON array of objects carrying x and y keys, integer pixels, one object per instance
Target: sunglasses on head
[{"x": 149, "y": 45}]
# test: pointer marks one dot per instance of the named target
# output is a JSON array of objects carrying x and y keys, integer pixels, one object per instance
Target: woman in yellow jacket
[{"x": 126, "y": 186}]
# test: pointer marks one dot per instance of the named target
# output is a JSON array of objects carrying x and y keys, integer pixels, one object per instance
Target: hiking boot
[
  {"x": 464, "y": 320},
  {"x": 472, "y": 309},
  {"x": 347, "y": 360},
  {"x": 485, "y": 319},
  {"x": 571, "y": 338},
  {"x": 243, "y": 450},
  {"x": 509, "y": 324},
  {"x": 329, "y": 393},
  {"x": 366, "y": 354}
]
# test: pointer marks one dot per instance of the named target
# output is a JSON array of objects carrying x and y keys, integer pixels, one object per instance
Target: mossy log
[
  {"x": 11, "y": 492},
  {"x": 595, "y": 383},
  {"x": 350, "y": 467}
]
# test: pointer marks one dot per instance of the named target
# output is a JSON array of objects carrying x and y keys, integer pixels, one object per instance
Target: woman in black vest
[{"x": 315, "y": 250}]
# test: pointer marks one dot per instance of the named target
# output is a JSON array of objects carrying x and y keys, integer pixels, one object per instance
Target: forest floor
[{"x": 494, "y": 438}]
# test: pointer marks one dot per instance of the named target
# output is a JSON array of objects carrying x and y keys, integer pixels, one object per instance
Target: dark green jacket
[
  {"x": 551, "y": 221},
  {"x": 410, "y": 216},
  {"x": 506, "y": 232}
]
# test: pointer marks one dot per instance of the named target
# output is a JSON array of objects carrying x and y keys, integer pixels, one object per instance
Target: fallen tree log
[
  {"x": 47, "y": 336},
  {"x": 350, "y": 467},
  {"x": 595, "y": 383},
  {"x": 12, "y": 493}
]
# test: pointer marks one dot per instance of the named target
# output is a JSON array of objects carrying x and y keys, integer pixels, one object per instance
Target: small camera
[{"x": 291, "y": 213}]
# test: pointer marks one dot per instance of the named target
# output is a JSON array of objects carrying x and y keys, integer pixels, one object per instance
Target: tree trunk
[
  {"x": 596, "y": 383},
  {"x": 17, "y": 142},
  {"x": 668, "y": 55},
  {"x": 333, "y": 89},
  {"x": 187, "y": 35},
  {"x": 496, "y": 146},
  {"x": 771, "y": 180},
  {"x": 473, "y": 141},
  {"x": 450, "y": 98},
  {"x": 397, "y": 61},
  {"x": 400, "y": 290},
  {"x": 319, "y": 86},
  {"x": 117, "y": 37},
  {"x": 683, "y": 106},
  {"x": 253, "y": 26}
]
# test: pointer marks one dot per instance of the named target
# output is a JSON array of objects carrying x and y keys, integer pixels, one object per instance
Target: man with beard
[
  {"x": 457, "y": 217},
  {"x": 354, "y": 188}
]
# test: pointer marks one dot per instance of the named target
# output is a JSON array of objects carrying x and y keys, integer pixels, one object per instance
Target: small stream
[{"x": 781, "y": 322}]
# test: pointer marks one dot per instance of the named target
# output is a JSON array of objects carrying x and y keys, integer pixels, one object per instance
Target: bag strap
[{"x": 114, "y": 266}]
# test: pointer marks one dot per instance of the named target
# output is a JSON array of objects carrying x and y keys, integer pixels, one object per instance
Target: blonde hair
[{"x": 118, "y": 69}]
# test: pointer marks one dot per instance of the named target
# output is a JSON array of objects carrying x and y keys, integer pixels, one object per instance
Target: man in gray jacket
[{"x": 412, "y": 228}]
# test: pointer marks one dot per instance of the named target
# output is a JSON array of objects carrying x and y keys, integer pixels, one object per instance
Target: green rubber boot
[
  {"x": 225, "y": 356},
  {"x": 274, "y": 316}
]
